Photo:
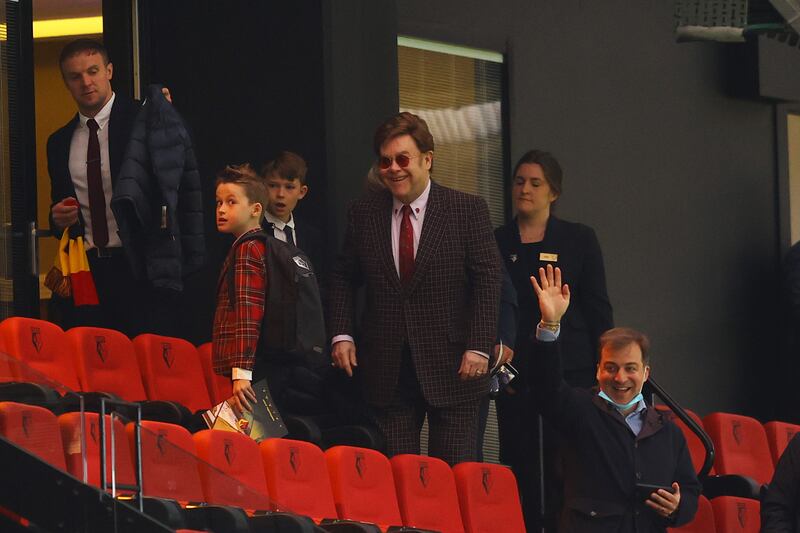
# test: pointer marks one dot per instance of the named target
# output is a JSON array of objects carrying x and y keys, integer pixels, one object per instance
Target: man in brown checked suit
[{"x": 427, "y": 257}]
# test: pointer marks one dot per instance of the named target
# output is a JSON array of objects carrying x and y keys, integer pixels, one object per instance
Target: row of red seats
[
  {"x": 743, "y": 446},
  {"x": 90, "y": 359},
  {"x": 724, "y": 514},
  {"x": 226, "y": 468}
]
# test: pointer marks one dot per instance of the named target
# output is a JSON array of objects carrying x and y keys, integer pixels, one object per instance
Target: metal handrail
[{"x": 690, "y": 423}]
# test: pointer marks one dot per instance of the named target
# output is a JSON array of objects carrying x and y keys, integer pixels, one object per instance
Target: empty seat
[
  {"x": 703, "y": 521},
  {"x": 734, "y": 515},
  {"x": 363, "y": 485},
  {"x": 696, "y": 449},
  {"x": 169, "y": 465},
  {"x": 238, "y": 458},
  {"x": 218, "y": 386},
  {"x": 426, "y": 493},
  {"x": 778, "y": 436},
  {"x": 487, "y": 495},
  {"x": 119, "y": 466},
  {"x": 105, "y": 360},
  {"x": 297, "y": 477},
  {"x": 171, "y": 371},
  {"x": 34, "y": 429},
  {"x": 42, "y": 346},
  {"x": 741, "y": 446}
]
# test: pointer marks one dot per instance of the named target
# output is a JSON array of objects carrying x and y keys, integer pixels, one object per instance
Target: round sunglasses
[{"x": 403, "y": 160}]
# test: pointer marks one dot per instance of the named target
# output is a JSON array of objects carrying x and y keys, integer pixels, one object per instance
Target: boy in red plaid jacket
[{"x": 241, "y": 198}]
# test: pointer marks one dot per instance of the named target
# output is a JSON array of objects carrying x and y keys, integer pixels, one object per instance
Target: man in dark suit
[
  {"x": 83, "y": 159},
  {"x": 626, "y": 466},
  {"x": 426, "y": 256}
]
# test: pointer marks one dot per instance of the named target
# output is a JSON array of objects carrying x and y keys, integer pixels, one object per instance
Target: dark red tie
[
  {"x": 406, "y": 246},
  {"x": 94, "y": 178}
]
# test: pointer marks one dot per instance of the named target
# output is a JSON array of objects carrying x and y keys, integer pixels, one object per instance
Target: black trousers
[
  {"x": 523, "y": 436},
  {"x": 126, "y": 304},
  {"x": 452, "y": 429}
]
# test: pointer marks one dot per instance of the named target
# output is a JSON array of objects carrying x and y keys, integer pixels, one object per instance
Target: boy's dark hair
[
  {"x": 84, "y": 45},
  {"x": 550, "y": 168},
  {"x": 287, "y": 165},
  {"x": 245, "y": 176},
  {"x": 619, "y": 338}
]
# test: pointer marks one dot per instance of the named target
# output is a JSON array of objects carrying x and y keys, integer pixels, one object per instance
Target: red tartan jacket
[{"x": 237, "y": 327}]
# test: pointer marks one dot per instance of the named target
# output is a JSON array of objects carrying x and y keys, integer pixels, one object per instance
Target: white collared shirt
[
  {"x": 278, "y": 226},
  {"x": 417, "y": 217},
  {"x": 77, "y": 169}
]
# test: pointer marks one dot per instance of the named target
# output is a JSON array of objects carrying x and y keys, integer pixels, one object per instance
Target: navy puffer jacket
[{"x": 157, "y": 198}]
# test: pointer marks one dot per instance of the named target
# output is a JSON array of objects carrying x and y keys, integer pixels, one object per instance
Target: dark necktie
[
  {"x": 289, "y": 236},
  {"x": 406, "y": 248},
  {"x": 94, "y": 178}
]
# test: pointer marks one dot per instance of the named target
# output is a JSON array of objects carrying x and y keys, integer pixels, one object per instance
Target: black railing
[{"x": 657, "y": 390}]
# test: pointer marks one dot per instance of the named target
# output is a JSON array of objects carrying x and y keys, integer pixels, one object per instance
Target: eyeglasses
[{"x": 403, "y": 160}]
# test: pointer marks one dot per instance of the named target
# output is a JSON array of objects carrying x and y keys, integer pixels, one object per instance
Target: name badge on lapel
[{"x": 551, "y": 258}]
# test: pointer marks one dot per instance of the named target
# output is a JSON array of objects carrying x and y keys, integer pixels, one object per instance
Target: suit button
[
  {"x": 638, "y": 475},
  {"x": 593, "y": 513}
]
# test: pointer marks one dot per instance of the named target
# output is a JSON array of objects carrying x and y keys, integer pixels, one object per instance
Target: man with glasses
[{"x": 426, "y": 256}]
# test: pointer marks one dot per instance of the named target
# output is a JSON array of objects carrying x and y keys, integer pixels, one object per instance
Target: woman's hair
[{"x": 550, "y": 167}]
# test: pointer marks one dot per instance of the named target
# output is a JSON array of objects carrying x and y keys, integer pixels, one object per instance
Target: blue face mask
[{"x": 621, "y": 406}]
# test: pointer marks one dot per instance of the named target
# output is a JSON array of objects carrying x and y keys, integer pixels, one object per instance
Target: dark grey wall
[
  {"x": 676, "y": 176},
  {"x": 252, "y": 78}
]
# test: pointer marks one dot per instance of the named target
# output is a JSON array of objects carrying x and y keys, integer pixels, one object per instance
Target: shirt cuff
[
  {"x": 339, "y": 338},
  {"x": 482, "y": 354},
  {"x": 241, "y": 373},
  {"x": 547, "y": 335}
]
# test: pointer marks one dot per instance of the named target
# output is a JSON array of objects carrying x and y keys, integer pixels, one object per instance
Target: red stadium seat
[
  {"x": 171, "y": 371},
  {"x": 297, "y": 477},
  {"x": 363, "y": 485},
  {"x": 703, "y": 521},
  {"x": 35, "y": 429},
  {"x": 42, "y": 346},
  {"x": 736, "y": 515},
  {"x": 169, "y": 465},
  {"x": 121, "y": 469},
  {"x": 778, "y": 436},
  {"x": 238, "y": 458},
  {"x": 741, "y": 446},
  {"x": 218, "y": 386},
  {"x": 696, "y": 449},
  {"x": 105, "y": 361},
  {"x": 426, "y": 493},
  {"x": 487, "y": 494}
]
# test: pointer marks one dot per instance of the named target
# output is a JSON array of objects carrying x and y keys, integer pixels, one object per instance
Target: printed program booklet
[{"x": 262, "y": 423}]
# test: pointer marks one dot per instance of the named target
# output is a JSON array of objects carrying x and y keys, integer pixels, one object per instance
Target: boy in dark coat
[{"x": 612, "y": 440}]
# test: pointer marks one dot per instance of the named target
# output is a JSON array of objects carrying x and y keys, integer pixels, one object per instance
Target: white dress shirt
[
  {"x": 279, "y": 224},
  {"x": 77, "y": 169}
]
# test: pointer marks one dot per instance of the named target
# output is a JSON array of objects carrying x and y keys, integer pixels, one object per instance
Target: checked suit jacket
[{"x": 449, "y": 305}]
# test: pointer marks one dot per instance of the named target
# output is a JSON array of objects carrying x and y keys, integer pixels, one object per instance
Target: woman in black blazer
[{"x": 533, "y": 239}]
